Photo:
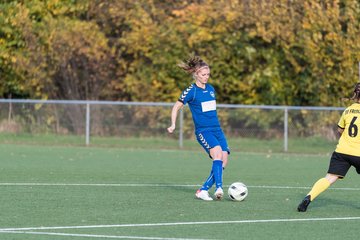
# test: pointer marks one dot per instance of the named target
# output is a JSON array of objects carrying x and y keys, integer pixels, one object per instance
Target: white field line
[
  {"x": 96, "y": 236},
  {"x": 181, "y": 223},
  {"x": 155, "y": 185}
]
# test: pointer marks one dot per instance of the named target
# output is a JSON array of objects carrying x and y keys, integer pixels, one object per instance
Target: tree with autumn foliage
[{"x": 297, "y": 52}]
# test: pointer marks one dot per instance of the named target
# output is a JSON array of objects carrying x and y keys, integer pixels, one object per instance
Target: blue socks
[
  {"x": 217, "y": 170},
  {"x": 214, "y": 177},
  {"x": 209, "y": 182}
]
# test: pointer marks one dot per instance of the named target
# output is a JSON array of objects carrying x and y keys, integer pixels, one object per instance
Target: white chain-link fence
[{"x": 143, "y": 124}]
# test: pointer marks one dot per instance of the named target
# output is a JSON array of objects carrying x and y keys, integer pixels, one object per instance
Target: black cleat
[{"x": 304, "y": 204}]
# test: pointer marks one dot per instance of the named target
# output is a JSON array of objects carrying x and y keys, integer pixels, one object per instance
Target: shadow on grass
[{"x": 327, "y": 202}]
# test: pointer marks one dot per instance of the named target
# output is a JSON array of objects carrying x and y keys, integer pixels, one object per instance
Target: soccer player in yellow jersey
[{"x": 346, "y": 154}]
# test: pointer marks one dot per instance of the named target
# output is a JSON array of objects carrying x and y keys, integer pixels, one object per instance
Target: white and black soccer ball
[{"x": 237, "y": 191}]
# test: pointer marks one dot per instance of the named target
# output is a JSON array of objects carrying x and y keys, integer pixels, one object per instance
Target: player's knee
[
  {"x": 217, "y": 153},
  {"x": 331, "y": 178}
]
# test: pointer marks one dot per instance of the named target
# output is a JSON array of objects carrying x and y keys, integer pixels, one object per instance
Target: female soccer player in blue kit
[{"x": 201, "y": 98}]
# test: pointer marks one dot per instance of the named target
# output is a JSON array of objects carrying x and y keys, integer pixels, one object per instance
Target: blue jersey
[{"x": 202, "y": 103}]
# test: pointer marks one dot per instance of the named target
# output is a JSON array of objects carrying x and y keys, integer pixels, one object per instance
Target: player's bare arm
[
  {"x": 340, "y": 130},
  {"x": 177, "y": 106}
]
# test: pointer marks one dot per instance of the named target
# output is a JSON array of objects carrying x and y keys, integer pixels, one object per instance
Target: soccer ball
[{"x": 237, "y": 191}]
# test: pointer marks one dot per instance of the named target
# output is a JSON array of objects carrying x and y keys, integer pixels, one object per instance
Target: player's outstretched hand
[{"x": 171, "y": 129}]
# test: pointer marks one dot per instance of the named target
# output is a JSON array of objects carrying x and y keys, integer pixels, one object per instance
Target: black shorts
[{"x": 340, "y": 164}]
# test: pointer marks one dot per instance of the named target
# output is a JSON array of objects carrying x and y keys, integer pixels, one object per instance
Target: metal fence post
[
  {"x": 181, "y": 129},
  {"x": 87, "y": 129},
  {"x": 286, "y": 119}
]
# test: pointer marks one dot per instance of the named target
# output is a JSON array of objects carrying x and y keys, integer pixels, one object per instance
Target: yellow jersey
[{"x": 349, "y": 142}]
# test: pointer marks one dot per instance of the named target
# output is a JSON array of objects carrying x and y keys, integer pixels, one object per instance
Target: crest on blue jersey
[{"x": 212, "y": 94}]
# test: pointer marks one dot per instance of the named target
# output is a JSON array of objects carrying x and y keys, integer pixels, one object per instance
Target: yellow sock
[{"x": 321, "y": 185}]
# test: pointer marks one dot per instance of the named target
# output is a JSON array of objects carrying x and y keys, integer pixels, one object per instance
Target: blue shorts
[{"x": 212, "y": 138}]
